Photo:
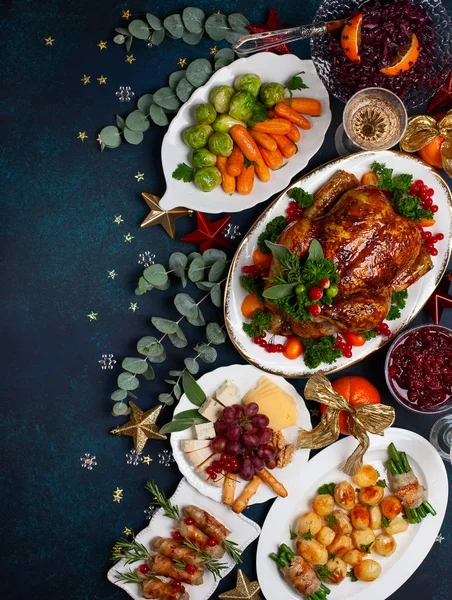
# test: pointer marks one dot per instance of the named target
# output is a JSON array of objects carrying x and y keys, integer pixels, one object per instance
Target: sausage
[
  {"x": 155, "y": 589},
  {"x": 331, "y": 191},
  {"x": 195, "y": 535},
  {"x": 302, "y": 576},
  {"x": 175, "y": 551},
  {"x": 207, "y": 523},
  {"x": 160, "y": 565}
]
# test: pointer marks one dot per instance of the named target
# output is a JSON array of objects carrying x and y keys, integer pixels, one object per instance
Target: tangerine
[
  {"x": 431, "y": 152},
  {"x": 351, "y": 38},
  {"x": 405, "y": 59}
]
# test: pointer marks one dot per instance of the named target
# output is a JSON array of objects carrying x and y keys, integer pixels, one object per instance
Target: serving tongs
[{"x": 256, "y": 42}]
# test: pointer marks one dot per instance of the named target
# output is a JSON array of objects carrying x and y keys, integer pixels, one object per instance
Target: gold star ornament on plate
[
  {"x": 165, "y": 218},
  {"x": 141, "y": 426},
  {"x": 245, "y": 589}
]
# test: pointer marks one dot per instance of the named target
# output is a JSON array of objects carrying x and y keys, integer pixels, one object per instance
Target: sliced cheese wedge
[
  {"x": 199, "y": 457},
  {"x": 278, "y": 405},
  {"x": 192, "y": 445}
]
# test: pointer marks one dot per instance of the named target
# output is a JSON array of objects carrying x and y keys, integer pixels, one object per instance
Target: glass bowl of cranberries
[{"x": 418, "y": 369}]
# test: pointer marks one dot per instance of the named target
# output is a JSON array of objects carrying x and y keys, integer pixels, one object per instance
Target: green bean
[
  {"x": 285, "y": 548},
  {"x": 282, "y": 560},
  {"x": 394, "y": 454},
  {"x": 325, "y": 589},
  {"x": 429, "y": 508},
  {"x": 392, "y": 467},
  {"x": 405, "y": 463},
  {"x": 421, "y": 511},
  {"x": 274, "y": 557}
]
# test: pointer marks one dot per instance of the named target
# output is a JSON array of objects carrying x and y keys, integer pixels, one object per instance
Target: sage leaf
[
  {"x": 157, "y": 37},
  {"x": 279, "y": 291},
  {"x": 179, "y": 425},
  {"x": 139, "y": 292},
  {"x": 212, "y": 255},
  {"x": 216, "y": 295},
  {"x": 192, "y": 38},
  {"x": 186, "y": 306},
  {"x": 193, "y": 19},
  {"x": 192, "y": 390},
  {"x": 315, "y": 251},
  {"x": 149, "y": 374},
  {"x": 154, "y": 22},
  {"x": 139, "y": 29},
  {"x": 217, "y": 270},
  {"x": 280, "y": 252},
  {"x": 156, "y": 274},
  {"x": 135, "y": 365},
  {"x": 178, "y": 339},
  {"x": 110, "y": 136},
  {"x": 238, "y": 23},
  {"x": 165, "y": 325},
  {"x": 119, "y": 395},
  {"x": 196, "y": 270},
  {"x": 184, "y": 90},
  {"x": 128, "y": 381},
  {"x": 174, "y": 79},
  {"x": 191, "y": 413},
  {"x": 166, "y": 399},
  {"x": 192, "y": 365},
  {"x": 198, "y": 72},
  {"x": 133, "y": 137},
  {"x": 145, "y": 102},
  {"x": 215, "y": 334},
  {"x": 136, "y": 121},
  {"x": 216, "y": 27},
  {"x": 120, "y": 409},
  {"x": 149, "y": 346},
  {"x": 120, "y": 122},
  {"x": 166, "y": 98},
  {"x": 173, "y": 24},
  {"x": 158, "y": 116}
]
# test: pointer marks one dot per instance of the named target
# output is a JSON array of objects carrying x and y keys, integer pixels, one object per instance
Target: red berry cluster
[
  {"x": 425, "y": 195},
  {"x": 268, "y": 346},
  {"x": 227, "y": 464},
  {"x": 255, "y": 271},
  {"x": 430, "y": 240},
  {"x": 383, "y": 329},
  {"x": 294, "y": 211},
  {"x": 144, "y": 568},
  {"x": 342, "y": 345}
]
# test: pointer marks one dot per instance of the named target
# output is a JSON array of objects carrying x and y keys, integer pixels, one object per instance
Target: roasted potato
[
  {"x": 384, "y": 545},
  {"x": 339, "y": 522},
  {"x": 398, "y": 525},
  {"x": 354, "y": 556},
  {"x": 344, "y": 494},
  {"x": 367, "y": 570},
  {"x": 391, "y": 507},
  {"x": 325, "y": 536},
  {"x": 309, "y": 522},
  {"x": 323, "y": 504},
  {"x": 366, "y": 476},
  {"x": 375, "y": 517},
  {"x": 312, "y": 551},
  {"x": 337, "y": 569},
  {"x": 360, "y": 517},
  {"x": 371, "y": 495},
  {"x": 363, "y": 537},
  {"x": 340, "y": 545}
]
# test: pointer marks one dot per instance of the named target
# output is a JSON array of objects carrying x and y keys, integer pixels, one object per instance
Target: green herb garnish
[
  {"x": 323, "y": 572},
  {"x": 129, "y": 550},
  {"x": 326, "y": 488},
  {"x": 301, "y": 197},
  {"x": 252, "y": 285},
  {"x": 398, "y": 303},
  {"x": 307, "y": 536},
  {"x": 320, "y": 351},
  {"x": 331, "y": 520},
  {"x": 366, "y": 547},
  {"x": 272, "y": 231},
  {"x": 370, "y": 334},
  {"x": 259, "y": 113},
  {"x": 295, "y": 83},
  {"x": 131, "y": 577},
  {"x": 259, "y": 323},
  {"x": 381, "y": 483},
  {"x": 169, "y": 510},
  {"x": 385, "y": 522},
  {"x": 293, "y": 535},
  {"x": 352, "y": 575},
  {"x": 184, "y": 172},
  {"x": 233, "y": 551}
]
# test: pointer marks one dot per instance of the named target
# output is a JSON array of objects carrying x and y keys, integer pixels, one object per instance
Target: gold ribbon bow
[
  {"x": 423, "y": 129},
  {"x": 373, "y": 418}
]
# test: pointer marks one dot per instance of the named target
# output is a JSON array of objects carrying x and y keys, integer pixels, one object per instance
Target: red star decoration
[
  {"x": 440, "y": 299},
  {"x": 208, "y": 235},
  {"x": 442, "y": 100},
  {"x": 273, "y": 23}
]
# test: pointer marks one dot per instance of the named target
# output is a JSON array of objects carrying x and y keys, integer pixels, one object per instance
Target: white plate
[
  {"x": 243, "y": 532},
  {"x": 245, "y": 378},
  {"x": 418, "y": 293},
  {"x": 270, "y": 67},
  {"x": 412, "y": 546}
]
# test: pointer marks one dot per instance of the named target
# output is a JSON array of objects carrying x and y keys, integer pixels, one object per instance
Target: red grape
[
  {"x": 234, "y": 432},
  {"x": 238, "y": 409},
  {"x": 247, "y": 469},
  {"x": 260, "y": 420},
  {"x": 250, "y": 440},
  {"x": 251, "y": 409},
  {"x": 234, "y": 447},
  {"x": 221, "y": 426},
  {"x": 247, "y": 427},
  {"x": 258, "y": 463},
  {"x": 264, "y": 435},
  {"x": 218, "y": 444},
  {"x": 229, "y": 414},
  {"x": 266, "y": 452}
]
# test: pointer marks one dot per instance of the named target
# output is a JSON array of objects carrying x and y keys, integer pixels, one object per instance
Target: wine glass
[
  {"x": 441, "y": 437},
  {"x": 373, "y": 119}
]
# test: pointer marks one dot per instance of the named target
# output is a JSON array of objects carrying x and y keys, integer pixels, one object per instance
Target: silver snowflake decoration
[
  {"x": 231, "y": 231},
  {"x": 440, "y": 538},
  {"x": 133, "y": 458},
  {"x": 125, "y": 93},
  {"x": 146, "y": 259},
  {"x": 88, "y": 462},
  {"x": 165, "y": 458},
  {"x": 149, "y": 512},
  {"x": 107, "y": 362}
]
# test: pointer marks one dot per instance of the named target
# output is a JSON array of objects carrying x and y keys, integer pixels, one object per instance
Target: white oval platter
[
  {"x": 243, "y": 532},
  {"x": 412, "y": 546},
  {"x": 270, "y": 67},
  {"x": 245, "y": 378},
  {"x": 418, "y": 293}
]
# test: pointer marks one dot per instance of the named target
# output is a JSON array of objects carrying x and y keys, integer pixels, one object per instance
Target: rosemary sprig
[
  {"x": 131, "y": 577},
  {"x": 170, "y": 510},
  {"x": 211, "y": 563},
  {"x": 179, "y": 564},
  {"x": 233, "y": 551},
  {"x": 130, "y": 550}
]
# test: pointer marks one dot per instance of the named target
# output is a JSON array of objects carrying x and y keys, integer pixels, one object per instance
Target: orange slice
[
  {"x": 405, "y": 59},
  {"x": 351, "y": 38}
]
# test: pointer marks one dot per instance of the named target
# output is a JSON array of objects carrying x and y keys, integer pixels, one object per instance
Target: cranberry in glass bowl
[{"x": 418, "y": 369}]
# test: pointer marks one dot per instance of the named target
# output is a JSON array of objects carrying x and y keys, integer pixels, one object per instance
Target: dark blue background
[{"x": 60, "y": 197}]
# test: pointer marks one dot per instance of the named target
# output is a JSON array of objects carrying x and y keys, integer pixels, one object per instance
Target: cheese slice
[
  {"x": 228, "y": 393},
  {"x": 198, "y": 457},
  {"x": 205, "y": 431},
  {"x": 211, "y": 410},
  {"x": 192, "y": 445},
  {"x": 278, "y": 405}
]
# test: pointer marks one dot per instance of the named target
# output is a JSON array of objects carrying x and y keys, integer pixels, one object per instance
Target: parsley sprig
[
  {"x": 259, "y": 323},
  {"x": 184, "y": 172},
  {"x": 295, "y": 83},
  {"x": 398, "y": 303},
  {"x": 302, "y": 198},
  {"x": 272, "y": 231}
]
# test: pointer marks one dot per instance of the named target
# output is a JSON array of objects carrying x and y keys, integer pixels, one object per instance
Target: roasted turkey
[{"x": 375, "y": 250}]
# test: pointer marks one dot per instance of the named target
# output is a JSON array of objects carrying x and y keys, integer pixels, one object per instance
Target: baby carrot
[
  {"x": 245, "y": 142},
  {"x": 273, "y": 158},
  {"x": 287, "y": 148},
  {"x": 235, "y": 162},
  {"x": 227, "y": 181},
  {"x": 279, "y": 126},
  {"x": 245, "y": 180},
  {"x": 263, "y": 139},
  {"x": 287, "y": 112},
  {"x": 271, "y": 113},
  {"x": 294, "y": 133},
  {"x": 307, "y": 106}
]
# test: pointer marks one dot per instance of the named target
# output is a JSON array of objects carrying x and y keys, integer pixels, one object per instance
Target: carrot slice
[
  {"x": 245, "y": 181},
  {"x": 236, "y": 162},
  {"x": 227, "y": 181},
  {"x": 307, "y": 106},
  {"x": 263, "y": 139},
  {"x": 278, "y": 126},
  {"x": 245, "y": 142},
  {"x": 287, "y": 112}
]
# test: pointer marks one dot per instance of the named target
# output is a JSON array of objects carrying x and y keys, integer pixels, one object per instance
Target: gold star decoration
[
  {"x": 92, "y": 316},
  {"x": 118, "y": 220},
  {"x": 126, "y": 14},
  {"x": 141, "y": 426},
  {"x": 102, "y": 80},
  {"x": 130, "y": 58},
  {"x": 116, "y": 549},
  {"x": 127, "y": 531},
  {"x": 128, "y": 237},
  {"x": 82, "y": 135},
  {"x": 49, "y": 41},
  {"x": 112, "y": 274},
  {"x": 98, "y": 139},
  {"x": 165, "y": 218},
  {"x": 244, "y": 589},
  {"x": 213, "y": 50},
  {"x": 147, "y": 460},
  {"x": 86, "y": 79},
  {"x": 102, "y": 45},
  {"x": 139, "y": 176},
  {"x": 182, "y": 62},
  {"x": 118, "y": 495},
  {"x": 133, "y": 306}
]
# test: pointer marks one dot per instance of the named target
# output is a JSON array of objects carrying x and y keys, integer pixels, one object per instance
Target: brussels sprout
[
  {"x": 272, "y": 93},
  {"x": 242, "y": 106},
  {"x": 220, "y": 97},
  {"x": 248, "y": 83},
  {"x": 223, "y": 123},
  {"x": 207, "y": 179},
  {"x": 203, "y": 158},
  {"x": 205, "y": 113},
  {"x": 196, "y": 136},
  {"x": 221, "y": 144}
]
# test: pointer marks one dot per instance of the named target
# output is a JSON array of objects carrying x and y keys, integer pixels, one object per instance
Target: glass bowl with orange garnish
[{"x": 404, "y": 46}]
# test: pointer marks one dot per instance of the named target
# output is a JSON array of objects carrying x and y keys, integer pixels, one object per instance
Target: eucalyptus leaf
[
  {"x": 156, "y": 274},
  {"x": 177, "y": 263},
  {"x": 212, "y": 255},
  {"x": 139, "y": 292},
  {"x": 173, "y": 24},
  {"x": 192, "y": 390},
  {"x": 154, "y": 22},
  {"x": 110, "y": 136},
  {"x": 217, "y": 270},
  {"x": 175, "y": 373},
  {"x": 216, "y": 27},
  {"x": 216, "y": 295},
  {"x": 166, "y": 399},
  {"x": 135, "y": 365},
  {"x": 122, "y": 30},
  {"x": 178, "y": 339},
  {"x": 222, "y": 62},
  {"x": 192, "y": 365},
  {"x": 198, "y": 71},
  {"x": 184, "y": 90},
  {"x": 315, "y": 251},
  {"x": 129, "y": 40},
  {"x": 196, "y": 270},
  {"x": 163, "y": 286},
  {"x": 128, "y": 381},
  {"x": 232, "y": 36},
  {"x": 149, "y": 346},
  {"x": 119, "y": 395},
  {"x": 170, "y": 381},
  {"x": 179, "y": 425},
  {"x": 136, "y": 121},
  {"x": 186, "y": 306},
  {"x": 159, "y": 358},
  {"x": 192, "y": 38},
  {"x": 144, "y": 103},
  {"x": 207, "y": 353},
  {"x": 215, "y": 334},
  {"x": 120, "y": 122},
  {"x": 238, "y": 23},
  {"x": 279, "y": 291},
  {"x": 158, "y": 116},
  {"x": 174, "y": 79},
  {"x": 133, "y": 137},
  {"x": 166, "y": 98},
  {"x": 139, "y": 29},
  {"x": 165, "y": 325},
  {"x": 226, "y": 53},
  {"x": 280, "y": 252},
  {"x": 144, "y": 286},
  {"x": 191, "y": 413},
  {"x": 120, "y": 409},
  {"x": 193, "y": 19},
  {"x": 119, "y": 39},
  {"x": 157, "y": 37},
  {"x": 149, "y": 374},
  {"x": 197, "y": 321},
  {"x": 177, "y": 391},
  {"x": 193, "y": 255},
  {"x": 205, "y": 285}
]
